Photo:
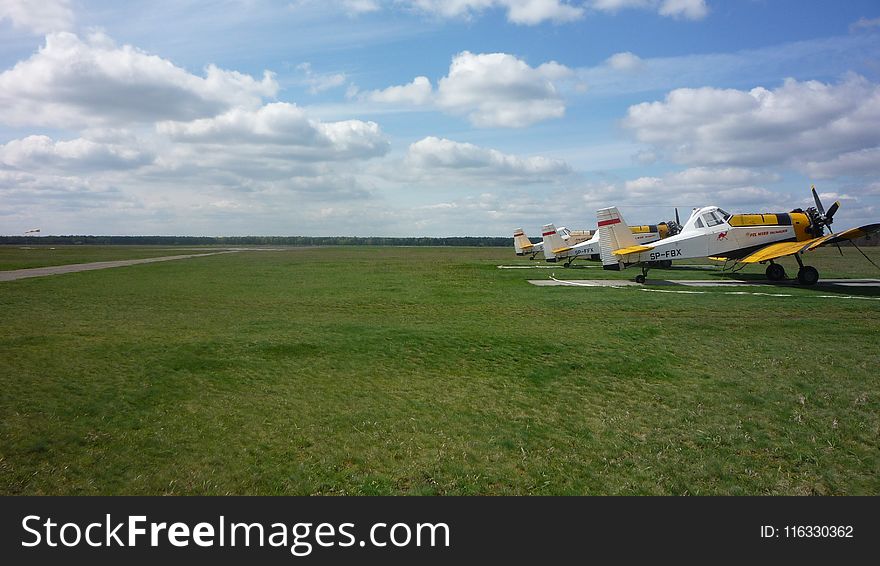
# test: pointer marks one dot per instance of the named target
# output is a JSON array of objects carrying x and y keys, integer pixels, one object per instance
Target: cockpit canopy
[{"x": 707, "y": 217}]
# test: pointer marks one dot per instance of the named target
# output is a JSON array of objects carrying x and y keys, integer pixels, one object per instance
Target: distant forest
[{"x": 473, "y": 241}]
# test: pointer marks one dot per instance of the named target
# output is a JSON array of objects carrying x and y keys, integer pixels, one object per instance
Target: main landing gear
[
  {"x": 775, "y": 272},
  {"x": 807, "y": 274}
]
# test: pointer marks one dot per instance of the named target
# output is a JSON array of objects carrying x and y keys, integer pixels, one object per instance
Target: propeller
[
  {"x": 820, "y": 219},
  {"x": 674, "y": 227}
]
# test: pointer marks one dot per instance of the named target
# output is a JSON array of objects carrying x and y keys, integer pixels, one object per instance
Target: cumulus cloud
[
  {"x": 523, "y": 12},
  {"x": 500, "y": 90},
  {"x": 431, "y": 155},
  {"x": 41, "y": 152},
  {"x": 418, "y": 92},
  {"x": 863, "y": 162},
  {"x": 38, "y": 17},
  {"x": 798, "y": 122},
  {"x": 625, "y": 61},
  {"x": 75, "y": 82},
  {"x": 288, "y": 129},
  {"x": 688, "y": 9},
  {"x": 490, "y": 89}
]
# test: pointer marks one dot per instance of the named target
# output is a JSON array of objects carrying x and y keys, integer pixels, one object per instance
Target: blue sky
[{"x": 430, "y": 118}]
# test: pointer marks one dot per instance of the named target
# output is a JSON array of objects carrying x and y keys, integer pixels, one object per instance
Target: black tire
[
  {"x": 640, "y": 278},
  {"x": 775, "y": 272},
  {"x": 566, "y": 265},
  {"x": 808, "y": 275}
]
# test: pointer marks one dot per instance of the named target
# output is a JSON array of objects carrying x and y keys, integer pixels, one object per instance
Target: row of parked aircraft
[{"x": 737, "y": 239}]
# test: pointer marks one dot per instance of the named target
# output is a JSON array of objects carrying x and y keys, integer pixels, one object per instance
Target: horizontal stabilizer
[{"x": 632, "y": 250}]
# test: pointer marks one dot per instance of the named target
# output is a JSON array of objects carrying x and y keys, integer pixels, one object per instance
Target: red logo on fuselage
[{"x": 722, "y": 235}]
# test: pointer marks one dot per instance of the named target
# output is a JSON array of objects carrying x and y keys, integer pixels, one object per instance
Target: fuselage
[
  {"x": 589, "y": 249},
  {"x": 712, "y": 232}
]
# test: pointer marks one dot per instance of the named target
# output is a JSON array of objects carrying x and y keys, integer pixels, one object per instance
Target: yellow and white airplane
[
  {"x": 556, "y": 248},
  {"x": 522, "y": 245},
  {"x": 741, "y": 238}
]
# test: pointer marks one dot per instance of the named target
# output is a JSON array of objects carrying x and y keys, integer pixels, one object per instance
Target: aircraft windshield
[
  {"x": 724, "y": 214},
  {"x": 712, "y": 219}
]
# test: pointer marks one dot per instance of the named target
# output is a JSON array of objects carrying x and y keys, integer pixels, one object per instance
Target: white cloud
[
  {"x": 688, "y": 9},
  {"x": 499, "y": 90},
  {"x": 41, "y": 152},
  {"x": 625, "y": 61},
  {"x": 39, "y": 17},
  {"x": 418, "y": 92},
  {"x": 863, "y": 162},
  {"x": 431, "y": 155},
  {"x": 318, "y": 82},
  {"x": 864, "y": 24},
  {"x": 795, "y": 123},
  {"x": 524, "y": 12},
  {"x": 360, "y": 6},
  {"x": 490, "y": 89},
  {"x": 71, "y": 82},
  {"x": 282, "y": 130}
]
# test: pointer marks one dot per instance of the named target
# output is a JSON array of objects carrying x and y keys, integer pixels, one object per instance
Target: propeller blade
[
  {"x": 819, "y": 206},
  {"x": 677, "y": 221},
  {"x": 830, "y": 214}
]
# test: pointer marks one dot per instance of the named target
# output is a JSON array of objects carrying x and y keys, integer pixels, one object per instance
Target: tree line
[{"x": 470, "y": 241}]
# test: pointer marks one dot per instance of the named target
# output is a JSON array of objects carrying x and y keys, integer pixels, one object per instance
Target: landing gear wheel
[
  {"x": 566, "y": 265},
  {"x": 640, "y": 279},
  {"x": 776, "y": 272},
  {"x": 807, "y": 275}
]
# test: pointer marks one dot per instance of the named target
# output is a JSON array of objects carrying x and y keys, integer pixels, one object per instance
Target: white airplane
[
  {"x": 523, "y": 246},
  {"x": 555, "y": 248},
  {"x": 740, "y": 238}
]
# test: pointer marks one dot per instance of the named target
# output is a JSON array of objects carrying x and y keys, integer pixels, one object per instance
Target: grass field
[
  {"x": 430, "y": 371},
  {"x": 26, "y": 257}
]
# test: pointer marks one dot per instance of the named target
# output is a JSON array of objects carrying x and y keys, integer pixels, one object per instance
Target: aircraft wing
[
  {"x": 850, "y": 234},
  {"x": 782, "y": 249},
  {"x": 632, "y": 250}
]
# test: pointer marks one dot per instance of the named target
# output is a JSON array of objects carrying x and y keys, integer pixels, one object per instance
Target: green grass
[
  {"x": 430, "y": 371},
  {"x": 26, "y": 257}
]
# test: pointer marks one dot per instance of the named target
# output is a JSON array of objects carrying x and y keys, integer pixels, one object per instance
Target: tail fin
[
  {"x": 552, "y": 241},
  {"x": 614, "y": 234},
  {"x": 521, "y": 243}
]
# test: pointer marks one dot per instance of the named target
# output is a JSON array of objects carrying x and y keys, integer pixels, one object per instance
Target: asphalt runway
[{"x": 75, "y": 267}]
